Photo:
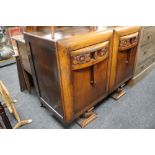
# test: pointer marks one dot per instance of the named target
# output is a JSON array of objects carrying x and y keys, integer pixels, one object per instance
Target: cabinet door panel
[
  {"x": 85, "y": 92},
  {"x": 125, "y": 44},
  {"x": 89, "y": 75},
  {"x": 125, "y": 65}
]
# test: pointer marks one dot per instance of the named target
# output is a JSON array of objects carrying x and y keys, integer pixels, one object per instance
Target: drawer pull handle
[
  {"x": 92, "y": 82},
  {"x": 142, "y": 67},
  {"x": 92, "y": 78},
  {"x": 126, "y": 61},
  {"x": 128, "y": 56}
]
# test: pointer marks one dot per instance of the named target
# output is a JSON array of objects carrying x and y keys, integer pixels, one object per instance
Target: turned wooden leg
[
  {"x": 5, "y": 118},
  {"x": 10, "y": 104},
  {"x": 5, "y": 106},
  {"x": 86, "y": 118},
  {"x": 21, "y": 123},
  {"x": 119, "y": 92},
  {"x": 16, "y": 115}
]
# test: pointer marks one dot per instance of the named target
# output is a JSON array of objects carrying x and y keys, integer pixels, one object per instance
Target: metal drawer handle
[
  {"x": 142, "y": 67},
  {"x": 126, "y": 61},
  {"x": 145, "y": 53}
]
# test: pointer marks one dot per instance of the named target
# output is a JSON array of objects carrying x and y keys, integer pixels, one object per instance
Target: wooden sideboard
[
  {"x": 74, "y": 68},
  {"x": 71, "y": 74}
]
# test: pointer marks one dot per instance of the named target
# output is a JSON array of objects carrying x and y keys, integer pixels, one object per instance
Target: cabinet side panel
[{"x": 44, "y": 63}]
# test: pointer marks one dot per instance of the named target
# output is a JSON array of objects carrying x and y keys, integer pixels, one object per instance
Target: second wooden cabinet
[{"x": 125, "y": 42}]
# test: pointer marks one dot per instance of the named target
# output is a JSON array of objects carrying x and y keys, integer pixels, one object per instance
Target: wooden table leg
[{"x": 11, "y": 106}]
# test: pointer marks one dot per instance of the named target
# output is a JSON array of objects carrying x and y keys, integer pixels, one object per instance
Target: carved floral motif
[
  {"x": 128, "y": 42},
  {"x": 82, "y": 58},
  {"x": 102, "y": 51},
  {"x": 87, "y": 57}
]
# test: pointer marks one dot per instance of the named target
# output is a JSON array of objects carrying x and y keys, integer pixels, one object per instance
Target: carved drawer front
[
  {"x": 128, "y": 41},
  {"x": 145, "y": 52},
  {"x": 89, "y": 56},
  {"x": 145, "y": 64},
  {"x": 148, "y": 35}
]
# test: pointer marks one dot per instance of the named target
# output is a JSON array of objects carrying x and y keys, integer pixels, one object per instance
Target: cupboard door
[
  {"x": 126, "y": 57},
  {"x": 125, "y": 65},
  {"x": 125, "y": 44},
  {"x": 89, "y": 75}
]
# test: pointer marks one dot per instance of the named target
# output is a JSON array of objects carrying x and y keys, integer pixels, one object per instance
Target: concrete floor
[{"x": 134, "y": 110}]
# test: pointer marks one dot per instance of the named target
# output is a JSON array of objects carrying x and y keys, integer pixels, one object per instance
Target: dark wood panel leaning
[{"x": 23, "y": 64}]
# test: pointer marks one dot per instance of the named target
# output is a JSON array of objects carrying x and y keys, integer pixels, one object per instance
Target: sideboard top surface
[{"x": 62, "y": 32}]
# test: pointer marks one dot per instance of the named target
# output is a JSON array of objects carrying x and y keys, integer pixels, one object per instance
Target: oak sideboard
[{"x": 74, "y": 68}]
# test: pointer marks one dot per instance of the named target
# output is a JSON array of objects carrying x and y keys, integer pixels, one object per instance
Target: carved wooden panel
[
  {"x": 89, "y": 56},
  {"x": 81, "y": 58},
  {"x": 128, "y": 42}
]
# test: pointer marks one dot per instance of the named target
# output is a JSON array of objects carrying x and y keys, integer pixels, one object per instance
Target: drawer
[
  {"x": 145, "y": 52},
  {"x": 145, "y": 64},
  {"x": 148, "y": 35},
  {"x": 145, "y": 27}
]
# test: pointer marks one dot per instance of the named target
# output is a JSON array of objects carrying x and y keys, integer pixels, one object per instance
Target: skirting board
[{"x": 141, "y": 75}]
